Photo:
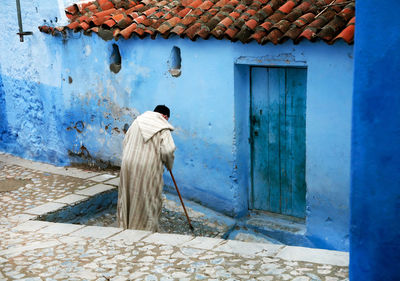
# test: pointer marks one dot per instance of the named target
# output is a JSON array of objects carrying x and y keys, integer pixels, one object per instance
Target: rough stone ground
[
  {"x": 170, "y": 222},
  {"x": 36, "y": 250}
]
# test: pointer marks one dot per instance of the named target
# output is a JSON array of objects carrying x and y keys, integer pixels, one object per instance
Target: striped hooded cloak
[{"x": 148, "y": 145}]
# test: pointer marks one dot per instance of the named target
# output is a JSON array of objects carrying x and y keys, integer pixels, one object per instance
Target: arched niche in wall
[
  {"x": 175, "y": 62},
  {"x": 115, "y": 59}
]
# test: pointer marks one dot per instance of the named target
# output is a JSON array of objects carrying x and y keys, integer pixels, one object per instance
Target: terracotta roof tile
[
  {"x": 282, "y": 26},
  {"x": 192, "y": 30},
  {"x": 110, "y": 23},
  {"x": 206, "y": 5},
  {"x": 195, "y": 4},
  {"x": 105, "y": 4},
  {"x": 337, "y": 24},
  {"x": 225, "y": 23},
  {"x": 140, "y": 31},
  {"x": 264, "y": 21},
  {"x": 259, "y": 34},
  {"x": 91, "y": 8},
  {"x": 105, "y": 13},
  {"x": 189, "y": 20},
  {"x": 116, "y": 32},
  {"x": 221, "y": 3},
  {"x": 310, "y": 31},
  {"x": 222, "y": 26},
  {"x": 46, "y": 29},
  {"x": 73, "y": 25},
  {"x": 97, "y": 21},
  {"x": 348, "y": 33},
  {"x": 150, "y": 11},
  {"x": 136, "y": 8},
  {"x": 204, "y": 32},
  {"x": 84, "y": 25},
  {"x": 178, "y": 29},
  {"x": 298, "y": 12},
  {"x": 296, "y": 28},
  {"x": 118, "y": 17},
  {"x": 95, "y": 29},
  {"x": 143, "y": 20},
  {"x": 126, "y": 33},
  {"x": 287, "y": 7},
  {"x": 71, "y": 9}
]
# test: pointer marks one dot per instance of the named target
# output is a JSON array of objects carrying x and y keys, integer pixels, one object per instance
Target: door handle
[{"x": 256, "y": 133}]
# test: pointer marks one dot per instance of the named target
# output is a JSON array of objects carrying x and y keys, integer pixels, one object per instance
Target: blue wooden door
[{"x": 278, "y": 102}]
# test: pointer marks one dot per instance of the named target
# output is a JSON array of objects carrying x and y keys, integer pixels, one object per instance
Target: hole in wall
[
  {"x": 126, "y": 128},
  {"x": 115, "y": 59},
  {"x": 175, "y": 61}
]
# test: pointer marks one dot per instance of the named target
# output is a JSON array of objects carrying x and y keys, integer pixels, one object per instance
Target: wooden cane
[{"x": 180, "y": 197}]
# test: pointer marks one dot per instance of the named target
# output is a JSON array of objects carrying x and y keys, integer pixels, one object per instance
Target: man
[{"x": 148, "y": 145}]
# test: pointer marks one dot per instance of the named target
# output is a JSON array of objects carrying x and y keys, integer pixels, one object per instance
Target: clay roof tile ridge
[{"x": 262, "y": 20}]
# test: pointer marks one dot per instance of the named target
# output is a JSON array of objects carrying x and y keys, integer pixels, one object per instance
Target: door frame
[{"x": 242, "y": 101}]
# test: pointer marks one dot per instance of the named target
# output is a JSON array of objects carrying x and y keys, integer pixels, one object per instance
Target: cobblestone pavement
[{"x": 38, "y": 250}]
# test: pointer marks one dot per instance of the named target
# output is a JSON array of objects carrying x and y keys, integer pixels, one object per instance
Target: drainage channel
[{"x": 100, "y": 210}]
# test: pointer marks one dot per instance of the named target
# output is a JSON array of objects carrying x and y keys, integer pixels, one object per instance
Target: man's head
[{"x": 163, "y": 110}]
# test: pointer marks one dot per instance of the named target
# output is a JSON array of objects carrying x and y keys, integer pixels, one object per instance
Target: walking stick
[{"x": 180, "y": 197}]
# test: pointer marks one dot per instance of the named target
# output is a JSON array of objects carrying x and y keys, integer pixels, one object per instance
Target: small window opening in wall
[
  {"x": 175, "y": 62},
  {"x": 115, "y": 59}
]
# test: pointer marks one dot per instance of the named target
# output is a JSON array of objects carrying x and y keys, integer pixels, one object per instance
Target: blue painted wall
[
  {"x": 3, "y": 122},
  {"x": 30, "y": 73},
  {"x": 6, "y": 139},
  {"x": 65, "y": 105},
  {"x": 375, "y": 189}
]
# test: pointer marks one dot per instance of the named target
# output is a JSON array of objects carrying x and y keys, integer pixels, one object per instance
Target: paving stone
[
  {"x": 71, "y": 199},
  {"x": 119, "y": 278},
  {"x": 179, "y": 275},
  {"x": 61, "y": 228},
  {"x": 167, "y": 239},
  {"x": 96, "y": 189},
  {"x": 45, "y": 208},
  {"x": 191, "y": 252},
  {"x": 96, "y": 231},
  {"x": 114, "y": 181},
  {"x": 21, "y": 218},
  {"x": 314, "y": 255},
  {"x": 17, "y": 250},
  {"x": 69, "y": 239},
  {"x": 32, "y": 225},
  {"x": 72, "y": 172},
  {"x": 301, "y": 278},
  {"x": 130, "y": 235},
  {"x": 101, "y": 178},
  {"x": 205, "y": 243},
  {"x": 245, "y": 248},
  {"x": 328, "y": 278}
]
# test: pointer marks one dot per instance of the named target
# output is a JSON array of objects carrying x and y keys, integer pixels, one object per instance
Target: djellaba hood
[{"x": 150, "y": 123}]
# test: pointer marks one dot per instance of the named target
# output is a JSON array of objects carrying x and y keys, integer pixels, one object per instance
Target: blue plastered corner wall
[
  {"x": 375, "y": 187},
  {"x": 62, "y": 104},
  {"x": 3, "y": 123},
  {"x": 31, "y": 98}
]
